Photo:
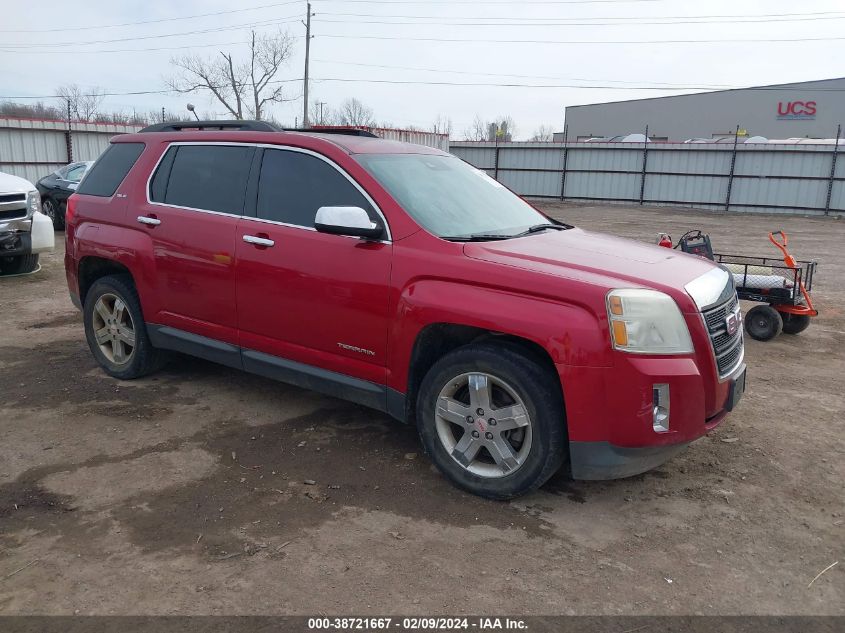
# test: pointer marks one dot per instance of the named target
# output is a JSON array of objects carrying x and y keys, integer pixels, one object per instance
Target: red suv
[{"x": 399, "y": 277}]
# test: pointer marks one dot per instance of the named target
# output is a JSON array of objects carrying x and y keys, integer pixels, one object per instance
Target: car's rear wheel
[
  {"x": 19, "y": 264},
  {"x": 115, "y": 329},
  {"x": 492, "y": 420},
  {"x": 53, "y": 211}
]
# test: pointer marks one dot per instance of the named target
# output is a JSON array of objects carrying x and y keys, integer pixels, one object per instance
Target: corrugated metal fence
[
  {"x": 33, "y": 149},
  {"x": 805, "y": 179}
]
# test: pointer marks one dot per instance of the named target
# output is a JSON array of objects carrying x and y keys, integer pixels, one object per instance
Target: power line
[
  {"x": 545, "y": 19},
  {"x": 535, "y": 41},
  {"x": 577, "y": 87},
  {"x": 127, "y": 50},
  {"x": 284, "y": 20},
  {"x": 501, "y": 85},
  {"x": 477, "y": 73},
  {"x": 131, "y": 93},
  {"x": 454, "y": 84},
  {"x": 556, "y": 24},
  {"x": 184, "y": 17},
  {"x": 132, "y": 50},
  {"x": 496, "y": 1}
]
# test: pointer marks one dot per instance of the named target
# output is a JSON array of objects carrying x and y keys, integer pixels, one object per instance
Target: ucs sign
[{"x": 802, "y": 110}]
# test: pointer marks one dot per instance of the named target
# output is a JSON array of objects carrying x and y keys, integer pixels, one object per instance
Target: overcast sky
[{"x": 563, "y": 44}]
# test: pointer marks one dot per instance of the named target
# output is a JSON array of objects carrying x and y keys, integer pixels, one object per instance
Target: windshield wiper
[
  {"x": 486, "y": 237},
  {"x": 542, "y": 227},
  {"x": 477, "y": 237}
]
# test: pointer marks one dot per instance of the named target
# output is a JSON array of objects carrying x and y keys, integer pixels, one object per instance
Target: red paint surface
[{"x": 312, "y": 291}]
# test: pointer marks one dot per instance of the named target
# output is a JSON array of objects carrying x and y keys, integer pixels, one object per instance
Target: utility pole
[
  {"x": 162, "y": 114},
  {"x": 68, "y": 136},
  {"x": 307, "y": 59},
  {"x": 321, "y": 104}
]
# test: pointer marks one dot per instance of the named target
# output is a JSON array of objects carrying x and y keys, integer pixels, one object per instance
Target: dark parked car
[{"x": 56, "y": 188}]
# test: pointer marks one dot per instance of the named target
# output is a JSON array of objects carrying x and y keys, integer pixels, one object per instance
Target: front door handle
[
  {"x": 143, "y": 219},
  {"x": 258, "y": 241}
]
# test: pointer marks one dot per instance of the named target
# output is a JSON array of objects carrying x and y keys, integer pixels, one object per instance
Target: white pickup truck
[{"x": 24, "y": 230}]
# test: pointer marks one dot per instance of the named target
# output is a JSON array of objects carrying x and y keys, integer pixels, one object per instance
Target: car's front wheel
[
  {"x": 492, "y": 419},
  {"x": 115, "y": 329},
  {"x": 52, "y": 210},
  {"x": 18, "y": 264}
]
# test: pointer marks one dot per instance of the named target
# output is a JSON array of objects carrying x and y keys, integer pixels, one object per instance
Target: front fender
[{"x": 570, "y": 333}]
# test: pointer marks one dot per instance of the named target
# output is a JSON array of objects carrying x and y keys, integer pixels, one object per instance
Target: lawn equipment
[{"x": 782, "y": 285}]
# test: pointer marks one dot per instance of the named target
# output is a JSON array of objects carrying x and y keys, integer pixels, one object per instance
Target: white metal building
[{"x": 807, "y": 109}]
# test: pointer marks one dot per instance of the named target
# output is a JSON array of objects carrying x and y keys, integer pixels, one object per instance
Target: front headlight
[
  {"x": 647, "y": 322},
  {"x": 33, "y": 202}
]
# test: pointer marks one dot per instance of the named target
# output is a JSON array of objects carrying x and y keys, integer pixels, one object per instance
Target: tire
[
  {"x": 121, "y": 327},
  {"x": 53, "y": 210},
  {"x": 511, "y": 379},
  {"x": 794, "y": 323},
  {"x": 19, "y": 264},
  {"x": 763, "y": 323}
]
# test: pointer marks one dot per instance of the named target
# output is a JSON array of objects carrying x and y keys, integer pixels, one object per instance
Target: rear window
[
  {"x": 111, "y": 168},
  {"x": 207, "y": 177}
]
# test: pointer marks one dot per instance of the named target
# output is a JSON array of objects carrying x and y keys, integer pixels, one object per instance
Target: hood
[
  {"x": 597, "y": 258},
  {"x": 14, "y": 184}
]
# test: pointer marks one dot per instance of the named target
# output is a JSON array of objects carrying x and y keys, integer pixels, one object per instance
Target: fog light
[{"x": 660, "y": 401}]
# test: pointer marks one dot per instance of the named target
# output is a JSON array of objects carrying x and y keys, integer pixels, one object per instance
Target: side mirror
[
  {"x": 72, "y": 186},
  {"x": 352, "y": 221}
]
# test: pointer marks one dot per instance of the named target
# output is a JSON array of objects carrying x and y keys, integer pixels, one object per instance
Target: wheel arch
[
  {"x": 92, "y": 268},
  {"x": 435, "y": 340}
]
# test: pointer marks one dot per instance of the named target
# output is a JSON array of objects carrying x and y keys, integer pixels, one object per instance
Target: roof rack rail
[
  {"x": 242, "y": 126},
  {"x": 346, "y": 131}
]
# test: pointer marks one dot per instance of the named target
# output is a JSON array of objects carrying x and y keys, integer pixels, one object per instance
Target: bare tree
[
  {"x": 83, "y": 103},
  {"x": 37, "y": 110},
  {"x": 544, "y": 133},
  {"x": 442, "y": 125},
  {"x": 353, "y": 112},
  {"x": 243, "y": 88},
  {"x": 477, "y": 131}
]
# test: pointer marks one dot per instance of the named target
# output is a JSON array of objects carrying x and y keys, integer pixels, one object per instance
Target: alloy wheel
[
  {"x": 49, "y": 209},
  {"x": 483, "y": 424},
  {"x": 114, "y": 330}
]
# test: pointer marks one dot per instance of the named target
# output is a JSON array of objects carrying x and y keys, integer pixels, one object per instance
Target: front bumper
[
  {"x": 15, "y": 243},
  {"x": 611, "y": 412},
  {"x": 603, "y": 460},
  {"x": 15, "y": 237}
]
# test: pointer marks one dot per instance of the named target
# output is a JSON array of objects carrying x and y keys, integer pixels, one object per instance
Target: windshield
[{"x": 450, "y": 198}]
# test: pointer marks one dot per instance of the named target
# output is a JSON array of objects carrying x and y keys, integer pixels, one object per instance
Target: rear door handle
[
  {"x": 258, "y": 241},
  {"x": 143, "y": 219}
]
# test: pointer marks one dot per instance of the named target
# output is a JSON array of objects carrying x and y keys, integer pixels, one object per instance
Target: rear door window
[
  {"x": 110, "y": 169},
  {"x": 293, "y": 185},
  {"x": 205, "y": 177}
]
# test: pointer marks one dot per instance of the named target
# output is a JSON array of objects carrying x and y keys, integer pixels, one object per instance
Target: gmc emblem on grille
[{"x": 732, "y": 323}]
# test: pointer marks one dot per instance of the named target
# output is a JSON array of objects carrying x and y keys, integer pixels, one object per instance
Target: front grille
[
  {"x": 12, "y": 206},
  {"x": 13, "y": 214},
  {"x": 726, "y": 347}
]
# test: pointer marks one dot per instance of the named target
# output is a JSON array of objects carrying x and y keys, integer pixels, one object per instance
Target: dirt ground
[{"x": 184, "y": 493}]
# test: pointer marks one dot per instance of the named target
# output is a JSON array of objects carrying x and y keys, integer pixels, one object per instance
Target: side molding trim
[
  {"x": 177, "y": 340},
  {"x": 331, "y": 383}
]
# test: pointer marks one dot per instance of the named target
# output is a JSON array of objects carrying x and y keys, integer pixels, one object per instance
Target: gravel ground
[{"x": 186, "y": 492}]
